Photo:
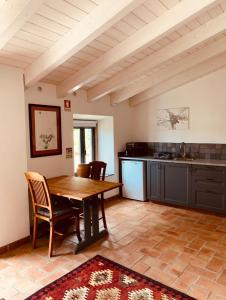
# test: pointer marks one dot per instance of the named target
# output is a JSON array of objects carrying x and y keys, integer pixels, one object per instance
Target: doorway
[
  {"x": 84, "y": 145},
  {"x": 94, "y": 140}
]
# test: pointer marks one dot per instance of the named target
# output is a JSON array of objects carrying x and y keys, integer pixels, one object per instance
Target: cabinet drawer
[
  {"x": 209, "y": 172},
  {"x": 210, "y": 200},
  {"x": 208, "y": 183}
]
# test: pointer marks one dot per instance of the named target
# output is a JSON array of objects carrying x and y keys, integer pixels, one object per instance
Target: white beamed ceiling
[{"x": 55, "y": 18}]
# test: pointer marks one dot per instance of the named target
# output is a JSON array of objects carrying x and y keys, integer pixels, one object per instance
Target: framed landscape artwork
[
  {"x": 173, "y": 118},
  {"x": 45, "y": 130}
]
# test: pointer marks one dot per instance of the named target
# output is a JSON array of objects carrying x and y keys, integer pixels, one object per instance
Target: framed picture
[
  {"x": 173, "y": 118},
  {"x": 45, "y": 130}
]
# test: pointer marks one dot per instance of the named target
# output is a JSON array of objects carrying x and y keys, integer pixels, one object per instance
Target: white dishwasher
[{"x": 134, "y": 179}]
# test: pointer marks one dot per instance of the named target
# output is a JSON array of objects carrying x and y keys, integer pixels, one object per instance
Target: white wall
[
  {"x": 106, "y": 142},
  {"x": 14, "y": 215},
  {"x": 57, "y": 165},
  {"x": 206, "y": 98}
]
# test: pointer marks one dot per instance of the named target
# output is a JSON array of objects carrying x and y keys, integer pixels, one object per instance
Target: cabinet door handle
[
  {"x": 212, "y": 181},
  {"x": 212, "y": 192}
]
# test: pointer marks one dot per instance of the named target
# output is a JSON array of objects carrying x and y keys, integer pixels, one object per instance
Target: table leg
[
  {"x": 91, "y": 224},
  {"x": 95, "y": 216},
  {"x": 87, "y": 219}
]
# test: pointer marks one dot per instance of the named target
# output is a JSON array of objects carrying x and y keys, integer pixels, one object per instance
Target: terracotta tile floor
[{"x": 183, "y": 249}]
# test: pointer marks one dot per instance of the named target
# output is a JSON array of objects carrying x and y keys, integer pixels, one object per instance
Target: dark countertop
[{"x": 206, "y": 162}]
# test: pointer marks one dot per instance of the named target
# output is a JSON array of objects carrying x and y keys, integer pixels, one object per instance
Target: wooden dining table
[{"x": 84, "y": 192}]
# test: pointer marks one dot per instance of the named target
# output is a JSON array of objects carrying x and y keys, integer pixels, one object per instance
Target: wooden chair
[
  {"x": 45, "y": 209},
  {"x": 97, "y": 172}
]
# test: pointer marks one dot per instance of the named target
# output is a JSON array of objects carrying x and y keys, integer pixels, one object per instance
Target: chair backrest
[
  {"x": 39, "y": 191},
  {"x": 97, "y": 170},
  {"x": 83, "y": 170}
]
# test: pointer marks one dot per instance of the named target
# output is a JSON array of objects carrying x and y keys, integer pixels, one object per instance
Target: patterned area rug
[{"x": 103, "y": 279}]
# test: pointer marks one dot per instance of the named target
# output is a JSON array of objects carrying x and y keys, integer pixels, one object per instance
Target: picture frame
[
  {"x": 45, "y": 130},
  {"x": 173, "y": 118}
]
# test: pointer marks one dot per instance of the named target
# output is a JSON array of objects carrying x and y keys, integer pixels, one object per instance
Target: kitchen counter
[{"x": 206, "y": 162}]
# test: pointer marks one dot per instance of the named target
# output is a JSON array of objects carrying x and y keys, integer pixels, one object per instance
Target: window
[{"x": 84, "y": 145}]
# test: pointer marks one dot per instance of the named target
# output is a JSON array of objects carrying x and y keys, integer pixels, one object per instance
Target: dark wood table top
[{"x": 79, "y": 188}]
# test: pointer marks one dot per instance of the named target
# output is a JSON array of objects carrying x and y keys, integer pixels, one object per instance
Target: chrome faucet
[{"x": 183, "y": 150}]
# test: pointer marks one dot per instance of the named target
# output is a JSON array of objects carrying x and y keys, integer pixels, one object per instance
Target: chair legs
[
  {"x": 103, "y": 210},
  {"x": 34, "y": 238},
  {"x": 51, "y": 235}
]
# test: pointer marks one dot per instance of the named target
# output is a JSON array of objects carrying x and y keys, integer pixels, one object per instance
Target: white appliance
[{"x": 134, "y": 179}]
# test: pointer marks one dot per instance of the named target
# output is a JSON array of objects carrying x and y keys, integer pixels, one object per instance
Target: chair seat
[
  {"x": 61, "y": 206},
  {"x": 57, "y": 212}
]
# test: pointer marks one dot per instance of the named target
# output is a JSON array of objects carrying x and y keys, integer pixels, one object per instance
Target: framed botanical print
[{"x": 45, "y": 130}]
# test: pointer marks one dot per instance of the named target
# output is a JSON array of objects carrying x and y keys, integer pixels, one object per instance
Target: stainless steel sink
[{"x": 183, "y": 158}]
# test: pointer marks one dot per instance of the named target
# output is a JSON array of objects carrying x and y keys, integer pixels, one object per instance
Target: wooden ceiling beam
[
  {"x": 147, "y": 35},
  {"x": 13, "y": 15},
  {"x": 174, "y": 49},
  {"x": 192, "y": 74},
  {"x": 171, "y": 70},
  {"x": 93, "y": 25}
]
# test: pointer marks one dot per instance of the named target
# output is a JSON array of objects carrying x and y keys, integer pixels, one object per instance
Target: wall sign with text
[
  {"x": 67, "y": 105},
  {"x": 69, "y": 153}
]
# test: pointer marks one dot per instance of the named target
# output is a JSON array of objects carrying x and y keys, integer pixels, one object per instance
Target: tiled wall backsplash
[{"x": 205, "y": 151}]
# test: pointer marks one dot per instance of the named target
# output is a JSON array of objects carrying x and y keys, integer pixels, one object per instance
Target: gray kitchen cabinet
[
  {"x": 153, "y": 180},
  {"x": 168, "y": 182},
  {"x": 209, "y": 188},
  {"x": 187, "y": 185},
  {"x": 175, "y": 183}
]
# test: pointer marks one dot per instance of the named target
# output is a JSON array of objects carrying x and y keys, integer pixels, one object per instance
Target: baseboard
[{"x": 14, "y": 245}]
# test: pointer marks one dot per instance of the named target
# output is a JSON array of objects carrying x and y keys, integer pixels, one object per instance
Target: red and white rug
[{"x": 102, "y": 279}]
